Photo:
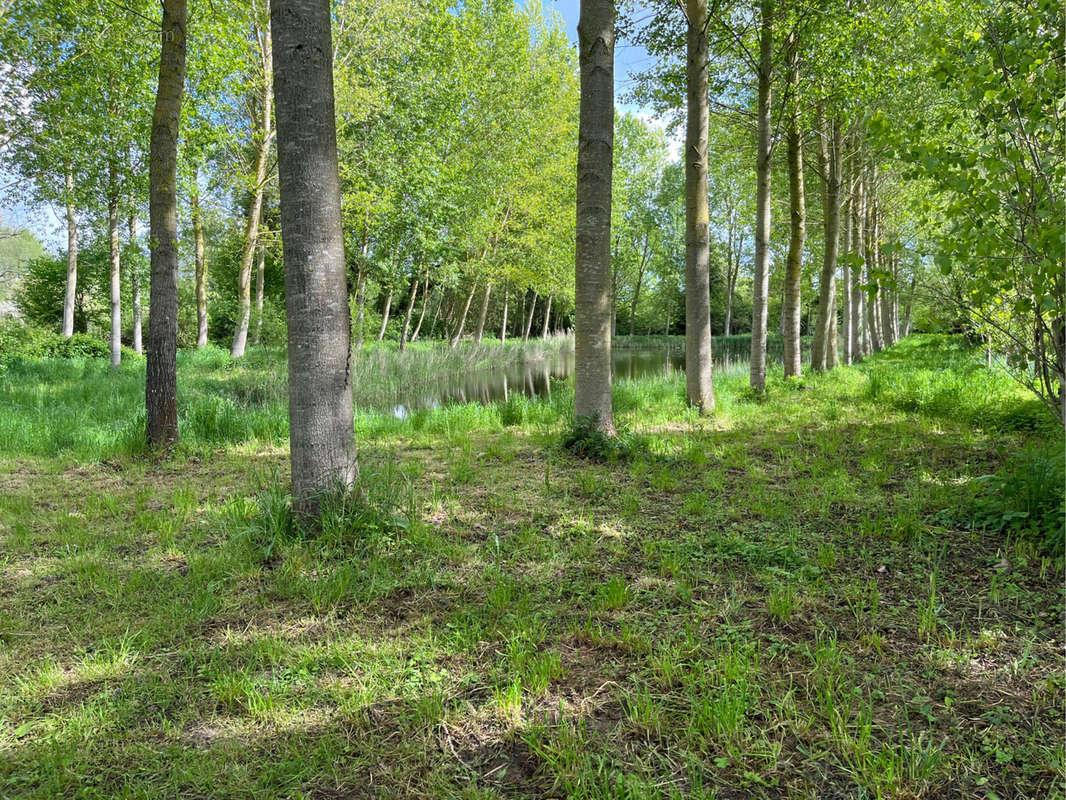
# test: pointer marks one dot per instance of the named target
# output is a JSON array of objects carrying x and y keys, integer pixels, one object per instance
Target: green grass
[{"x": 784, "y": 600}]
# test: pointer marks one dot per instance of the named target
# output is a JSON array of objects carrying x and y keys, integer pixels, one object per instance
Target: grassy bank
[{"x": 787, "y": 600}]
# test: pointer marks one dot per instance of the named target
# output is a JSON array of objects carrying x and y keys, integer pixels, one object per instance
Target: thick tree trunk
[
  {"x": 503, "y": 325},
  {"x": 116, "y": 268},
  {"x": 251, "y": 231},
  {"x": 385, "y": 315},
  {"x": 135, "y": 289},
  {"x": 480, "y": 331},
  {"x": 72, "y": 260},
  {"x": 260, "y": 280},
  {"x": 201, "y": 265},
  {"x": 547, "y": 318},
  {"x": 761, "y": 285},
  {"x": 316, "y": 292},
  {"x": 422, "y": 313},
  {"x": 830, "y": 149},
  {"x": 699, "y": 384},
  {"x": 411, "y": 297},
  {"x": 529, "y": 319},
  {"x": 457, "y": 333},
  {"x": 161, "y": 383},
  {"x": 790, "y": 313}
]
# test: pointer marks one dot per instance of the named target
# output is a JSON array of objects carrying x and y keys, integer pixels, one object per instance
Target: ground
[{"x": 784, "y": 600}]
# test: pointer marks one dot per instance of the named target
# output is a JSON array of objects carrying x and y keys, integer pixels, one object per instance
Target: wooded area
[{"x": 436, "y": 399}]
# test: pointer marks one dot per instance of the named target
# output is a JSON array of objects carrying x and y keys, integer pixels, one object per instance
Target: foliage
[{"x": 21, "y": 341}]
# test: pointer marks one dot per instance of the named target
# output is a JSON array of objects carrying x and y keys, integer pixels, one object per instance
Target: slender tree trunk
[
  {"x": 845, "y": 289},
  {"x": 886, "y": 307},
  {"x": 503, "y": 325},
  {"x": 858, "y": 214},
  {"x": 116, "y": 268},
  {"x": 321, "y": 431},
  {"x": 422, "y": 313},
  {"x": 520, "y": 319},
  {"x": 699, "y": 383},
  {"x": 547, "y": 318},
  {"x": 457, "y": 334},
  {"x": 161, "y": 384},
  {"x": 388, "y": 307},
  {"x": 529, "y": 319},
  {"x": 135, "y": 289},
  {"x": 201, "y": 264},
  {"x": 907, "y": 310},
  {"x": 480, "y": 331},
  {"x": 791, "y": 312},
  {"x": 730, "y": 273},
  {"x": 251, "y": 232},
  {"x": 260, "y": 280},
  {"x": 830, "y": 149},
  {"x": 761, "y": 285},
  {"x": 72, "y": 260},
  {"x": 411, "y": 297},
  {"x": 872, "y": 259}
]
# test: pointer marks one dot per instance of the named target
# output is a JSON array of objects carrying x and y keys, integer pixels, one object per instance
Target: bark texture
[
  {"x": 72, "y": 260},
  {"x": 135, "y": 289},
  {"x": 761, "y": 285},
  {"x": 592, "y": 268},
  {"x": 161, "y": 383},
  {"x": 115, "y": 247},
  {"x": 830, "y": 149},
  {"x": 790, "y": 313},
  {"x": 385, "y": 315},
  {"x": 699, "y": 384},
  {"x": 321, "y": 432},
  {"x": 260, "y": 280}
]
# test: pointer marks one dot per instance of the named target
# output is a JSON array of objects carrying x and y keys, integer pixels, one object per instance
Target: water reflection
[{"x": 534, "y": 378}]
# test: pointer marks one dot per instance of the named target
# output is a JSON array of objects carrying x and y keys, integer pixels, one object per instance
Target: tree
[
  {"x": 592, "y": 272},
  {"x": 698, "y": 366},
  {"x": 791, "y": 310},
  {"x": 764, "y": 154},
  {"x": 321, "y": 432},
  {"x": 161, "y": 384}
]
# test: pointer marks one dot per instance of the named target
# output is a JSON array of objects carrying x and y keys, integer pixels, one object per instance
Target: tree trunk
[
  {"x": 858, "y": 214},
  {"x": 637, "y": 285},
  {"x": 761, "y": 285},
  {"x": 72, "y": 260},
  {"x": 906, "y": 331},
  {"x": 592, "y": 269},
  {"x": 699, "y": 384},
  {"x": 547, "y": 318},
  {"x": 411, "y": 297},
  {"x": 480, "y": 331},
  {"x": 360, "y": 305},
  {"x": 519, "y": 320},
  {"x": 887, "y": 338},
  {"x": 457, "y": 334},
  {"x": 260, "y": 279},
  {"x": 791, "y": 313},
  {"x": 135, "y": 289},
  {"x": 830, "y": 150},
  {"x": 388, "y": 307},
  {"x": 503, "y": 325},
  {"x": 529, "y": 319},
  {"x": 161, "y": 381},
  {"x": 251, "y": 231},
  {"x": 845, "y": 289},
  {"x": 872, "y": 259},
  {"x": 321, "y": 432},
  {"x": 422, "y": 313},
  {"x": 201, "y": 265},
  {"x": 731, "y": 272},
  {"x": 116, "y": 268}
]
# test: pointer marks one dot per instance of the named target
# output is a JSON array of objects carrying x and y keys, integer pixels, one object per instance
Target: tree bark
[
  {"x": 251, "y": 231},
  {"x": 116, "y": 267},
  {"x": 873, "y": 305},
  {"x": 699, "y": 383},
  {"x": 161, "y": 381},
  {"x": 72, "y": 259},
  {"x": 732, "y": 268},
  {"x": 790, "y": 313},
  {"x": 592, "y": 267},
  {"x": 422, "y": 313},
  {"x": 529, "y": 319},
  {"x": 858, "y": 214},
  {"x": 321, "y": 430},
  {"x": 385, "y": 313},
  {"x": 503, "y": 325},
  {"x": 480, "y": 331},
  {"x": 457, "y": 334},
  {"x": 411, "y": 297},
  {"x": 135, "y": 289},
  {"x": 830, "y": 150},
  {"x": 547, "y": 318},
  {"x": 761, "y": 285},
  {"x": 201, "y": 264},
  {"x": 260, "y": 279},
  {"x": 845, "y": 289}
]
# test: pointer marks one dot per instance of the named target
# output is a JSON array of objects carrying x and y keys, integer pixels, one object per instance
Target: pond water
[{"x": 536, "y": 378}]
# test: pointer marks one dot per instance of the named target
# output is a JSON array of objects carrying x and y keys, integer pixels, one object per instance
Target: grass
[{"x": 781, "y": 601}]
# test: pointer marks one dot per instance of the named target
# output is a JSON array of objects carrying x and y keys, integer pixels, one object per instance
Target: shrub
[
  {"x": 585, "y": 439},
  {"x": 1027, "y": 497},
  {"x": 21, "y": 341}
]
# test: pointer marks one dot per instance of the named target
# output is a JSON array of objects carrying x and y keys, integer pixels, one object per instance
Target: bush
[
  {"x": 1027, "y": 497},
  {"x": 21, "y": 341},
  {"x": 585, "y": 439}
]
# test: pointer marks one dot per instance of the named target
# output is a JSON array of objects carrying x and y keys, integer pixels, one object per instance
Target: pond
[{"x": 538, "y": 378}]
